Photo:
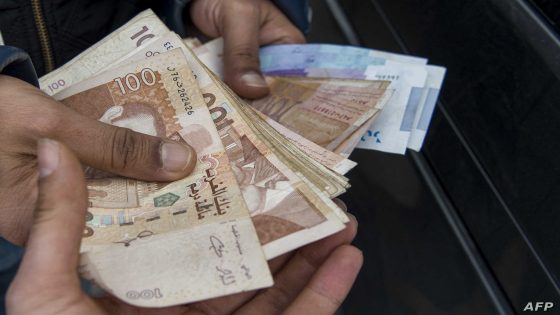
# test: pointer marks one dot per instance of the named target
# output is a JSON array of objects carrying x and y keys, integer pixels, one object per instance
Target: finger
[
  {"x": 319, "y": 250},
  {"x": 329, "y": 286},
  {"x": 240, "y": 29},
  {"x": 47, "y": 281},
  {"x": 123, "y": 151},
  {"x": 277, "y": 28},
  {"x": 292, "y": 278},
  {"x": 53, "y": 245}
]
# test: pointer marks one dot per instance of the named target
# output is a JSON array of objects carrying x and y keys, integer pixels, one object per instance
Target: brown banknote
[
  {"x": 325, "y": 111},
  {"x": 137, "y": 32},
  {"x": 160, "y": 244},
  {"x": 331, "y": 160},
  {"x": 286, "y": 211}
]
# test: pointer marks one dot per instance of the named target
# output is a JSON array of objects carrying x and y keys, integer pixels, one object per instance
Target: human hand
[
  {"x": 27, "y": 114},
  {"x": 312, "y": 280},
  {"x": 245, "y": 25}
]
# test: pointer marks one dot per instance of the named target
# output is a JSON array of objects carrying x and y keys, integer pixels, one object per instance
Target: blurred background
[{"x": 470, "y": 225}]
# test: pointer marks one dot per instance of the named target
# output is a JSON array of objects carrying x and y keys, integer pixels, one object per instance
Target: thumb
[
  {"x": 127, "y": 153},
  {"x": 54, "y": 240},
  {"x": 241, "y": 49},
  {"x": 47, "y": 280}
]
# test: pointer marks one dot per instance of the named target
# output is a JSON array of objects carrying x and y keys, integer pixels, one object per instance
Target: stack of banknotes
[
  {"x": 266, "y": 172},
  {"x": 411, "y": 96}
]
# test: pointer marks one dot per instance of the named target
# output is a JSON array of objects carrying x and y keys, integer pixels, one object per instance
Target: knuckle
[
  {"x": 205, "y": 308},
  {"x": 130, "y": 150},
  {"x": 311, "y": 261},
  {"x": 279, "y": 298},
  {"x": 48, "y": 122},
  {"x": 244, "y": 8},
  {"x": 124, "y": 152},
  {"x": 291, "y": 35},
  {"x": 27, "y": 109},
  {"x": 245, "y": 53},
  {"x": 297, "y": 38}
]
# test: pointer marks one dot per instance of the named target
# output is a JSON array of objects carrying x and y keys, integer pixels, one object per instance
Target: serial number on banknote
[
  {"x": 387, "y": 77},
  {"x": 181, "y": 90}
]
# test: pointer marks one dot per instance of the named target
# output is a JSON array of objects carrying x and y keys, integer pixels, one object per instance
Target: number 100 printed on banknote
[{"x": 160, "y": 244}]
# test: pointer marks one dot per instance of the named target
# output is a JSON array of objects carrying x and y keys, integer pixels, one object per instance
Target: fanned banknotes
[
  {"x": 296, "y": 58},
  {"x": 130, "y": 218},
  {"x": 320, "y": 60},
  {"x": 266, "y": 169},
  {"x": 404, "y": 122},
  {"x": 287, "y": 213},
  {"x": 160, "y": 244},
  {"x": 325, "y": 111}
]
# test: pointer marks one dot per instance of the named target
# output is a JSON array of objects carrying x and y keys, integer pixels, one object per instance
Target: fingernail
[
  {"x": 48, "y": 155},
  {"x": 254, "y": 79},
  {"x": 353, "y": 217},
  {"x": 175, "y": 157}
]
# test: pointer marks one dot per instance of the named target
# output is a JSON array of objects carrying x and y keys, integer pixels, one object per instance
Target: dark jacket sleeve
[
  {"x": 297, "y": 11},
  {"x": 16, "y": 63}
]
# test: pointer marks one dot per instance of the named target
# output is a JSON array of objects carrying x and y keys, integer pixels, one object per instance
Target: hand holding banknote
[
  {"x": 253, "y": 195},
  {"x": 245, "y": 25},
  {"x": 313, "y": 280},
  {"x": 28, "y": 114}
]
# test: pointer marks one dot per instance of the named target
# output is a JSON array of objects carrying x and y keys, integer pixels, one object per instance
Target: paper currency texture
[{"x": 182, "y": 241}]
